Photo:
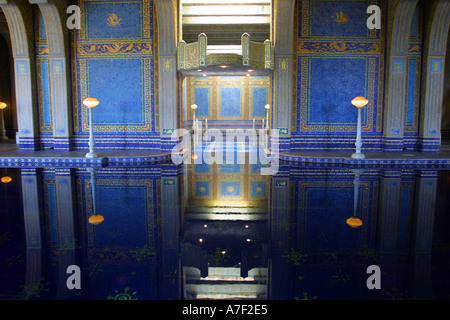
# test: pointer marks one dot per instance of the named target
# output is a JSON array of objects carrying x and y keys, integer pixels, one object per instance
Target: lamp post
[
  {"x": 3, "y": 106},
  {"x": 193, "y": 107},
  {"x": 359, "y": 102},
  {"x": 267, "y": 107},
  {"x": 91, "y": 103}
]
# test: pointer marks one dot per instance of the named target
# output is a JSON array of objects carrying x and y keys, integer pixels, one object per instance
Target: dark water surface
[{"x": 225, "y": 231}]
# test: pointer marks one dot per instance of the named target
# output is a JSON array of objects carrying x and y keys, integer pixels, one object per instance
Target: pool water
[{"x": 224, "y": 231}]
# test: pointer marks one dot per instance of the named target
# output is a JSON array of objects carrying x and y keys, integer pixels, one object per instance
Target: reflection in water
[{"x": 225, "y": 231}]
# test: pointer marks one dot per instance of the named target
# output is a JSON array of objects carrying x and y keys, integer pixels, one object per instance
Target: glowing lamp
[
  {"x": 194, "y": 106},
  {"x": 3, "y": 131},
  {"x": 6, "y": 179},
  {"x": 91, "y": 102},
  {"x": 96, "y": 220},
  {"x": 360, "y": 102},
  {"x": 267, "y": 107},
  {"x": 354, "y": 222}
]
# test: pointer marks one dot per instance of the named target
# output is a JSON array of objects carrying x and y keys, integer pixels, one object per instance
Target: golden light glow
[
  {"x": 194, "y": 106},
  {"x": 360, "y": 102},
  {"x": 354, "y": 222},
  {"x": 91, "y": 102},
  {"x": 6, "y": 179},
  {"x": 96, "y": 220},
  {"x": 3, "y": 105},
  {"x": 224, "y": 66},
  {"x": 194, "y": 156}
]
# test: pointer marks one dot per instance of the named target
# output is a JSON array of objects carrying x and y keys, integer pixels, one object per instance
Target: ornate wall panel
[
  {"x": 229, "y": 98},
  {"x": 115, "y": 62},
  {"x": 339, "y": 58}
]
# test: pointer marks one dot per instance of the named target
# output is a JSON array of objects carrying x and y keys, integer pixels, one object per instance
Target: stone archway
[
  {"x": 58, "y": 65},
  {"x": 19, "y": 17}
]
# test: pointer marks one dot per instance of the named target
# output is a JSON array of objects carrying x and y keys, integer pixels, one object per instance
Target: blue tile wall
[
  {"x": 230, "y": 103},
  {"x": 339, "y": 18},
  {"x": 114, "y": 55},
  {"x": 123, "y": 19},
  {"x": 339, "y": 58}
]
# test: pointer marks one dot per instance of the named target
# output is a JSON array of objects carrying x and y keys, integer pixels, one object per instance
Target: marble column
[
  {"x": 57, "y": 33},
  {"x": 166, "y": 11},
  {"x": 283, "y": 74}
]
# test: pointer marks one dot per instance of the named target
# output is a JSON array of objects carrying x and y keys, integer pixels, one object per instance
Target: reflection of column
[
  {"x": 170, "y": 229},
  {"x": 425, "y": 202},
  {"x": 31, "y": 182},
  {"x": 390, "y": 205},
  {"x": 64, "y": 193},
  {"x": 279, "y": 232}
]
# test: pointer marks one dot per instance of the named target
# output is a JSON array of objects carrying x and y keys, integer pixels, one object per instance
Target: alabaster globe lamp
[
  {"x": 91, "y": 103},
  {"x": 193, "y": 107},
  {"x": 2, "y": 107},
  {"x": 267, "y": 107},
  {"x": 359, "y": 103}
]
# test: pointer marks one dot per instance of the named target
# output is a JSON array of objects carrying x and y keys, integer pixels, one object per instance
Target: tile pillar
[
  {"x": 396, "y": 75},
  {"x": 283, "y": 74}
]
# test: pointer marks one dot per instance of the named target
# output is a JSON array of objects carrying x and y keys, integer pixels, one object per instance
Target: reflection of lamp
[
  {"x": 95, "y": 218},
  {"x": 359, "y": 102},
  {"x": 267, "y": 107},
  {"x": 91, "y": 103},
  {"x": 354, "y": 221},
  {"x": 3, "y": 106},
  {"x": 6, "y": 179}
]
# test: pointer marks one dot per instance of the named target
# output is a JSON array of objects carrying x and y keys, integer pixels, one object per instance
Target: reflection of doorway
[
  {"x": 6, "y": 83},
  {"x": 445, "y": 127}
]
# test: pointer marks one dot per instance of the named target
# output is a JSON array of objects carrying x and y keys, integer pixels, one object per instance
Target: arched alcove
[
  {"x": 6, "y": 82},
  {"x": 396, "y": 73},
  {"x": 436, "y": 34},
  {"x": 18, "y": 14}
]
